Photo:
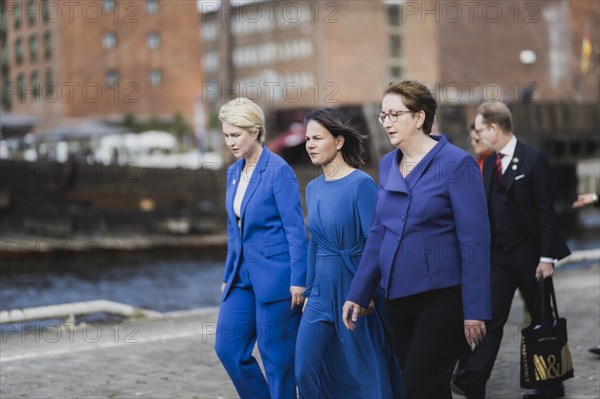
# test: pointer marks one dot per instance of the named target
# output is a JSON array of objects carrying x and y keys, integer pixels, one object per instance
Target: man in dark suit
[{"x": 524, "y": 237}]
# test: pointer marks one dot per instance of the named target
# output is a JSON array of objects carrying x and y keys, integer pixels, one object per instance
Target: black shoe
[
  {"x": 469, "y": 384},
  {"x": 595, "y": 351},
  {"x": 552, "y": 392}
]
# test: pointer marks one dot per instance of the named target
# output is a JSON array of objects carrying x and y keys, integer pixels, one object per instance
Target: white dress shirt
[
  {"x": 509, "y": 151},
  {"x": 242, "y": 186}
]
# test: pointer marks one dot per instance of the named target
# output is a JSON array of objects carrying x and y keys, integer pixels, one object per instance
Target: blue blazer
[
  {"x": 272, "y": 240},
  {"x": 430, "y": 231}
]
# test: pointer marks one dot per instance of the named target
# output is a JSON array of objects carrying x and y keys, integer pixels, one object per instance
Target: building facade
[
  {"x": 101, "y": 59},
  {"x": 294, "y": 54},
  {"x": 346, "y": 51}
]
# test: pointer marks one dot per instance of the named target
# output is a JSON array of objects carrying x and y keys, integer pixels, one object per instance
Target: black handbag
[{"x": 545, "y": 355}]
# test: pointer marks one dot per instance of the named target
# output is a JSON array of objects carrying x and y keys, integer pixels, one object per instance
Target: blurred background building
[
  {"x": 104, "y": 59},
  {"x": 79, "y": 77},
  {"x": 465, "y": 50},
  {"x": 67, "y": 61}
]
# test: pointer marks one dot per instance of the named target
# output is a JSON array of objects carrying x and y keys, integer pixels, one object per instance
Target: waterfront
[
  {"x": 161, "y": 281},
  {"x": 173, "y": 357},
  {"x": 164, "y": 281}
]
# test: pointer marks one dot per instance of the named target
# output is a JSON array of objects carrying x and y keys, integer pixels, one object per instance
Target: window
[
  {"x": 109, "y": 39},
  {"x": 5, "y": 60},
  {"x": 30, "y": 11},
  {"x": 19, "y": 51},
  {"x": 109, "y": 5},
  {"x": 7, "y": 96},
  {"x": 17, "y": 14},
  {"x": 47, "y": 45},
  {"x": 33, "y": 48},
  {"x": 208, "y": 31},
  {"x": 394, "y": 14},
  {"x": 210, "y": 62},
  {"x": 35, "y": 84},
  {"x": 112, "y": 77},
  {"x": 156, "y": 77},
  {"x": 21, "y": 87},
  {"x": 396, "y": 72},
  {"x": 395, "y": 46},
  {"x": 153, "y": 40},
  {"x": 49, "y": 83},
  {"x": 151, "y": 6},
  {"x": 45, "y": 10}
]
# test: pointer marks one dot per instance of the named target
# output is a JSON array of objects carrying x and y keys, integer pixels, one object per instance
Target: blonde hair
[{"x": 246, "y": 114}]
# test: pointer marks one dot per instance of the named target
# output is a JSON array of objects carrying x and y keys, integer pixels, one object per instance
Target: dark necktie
[{"x": 498, "y": 165}]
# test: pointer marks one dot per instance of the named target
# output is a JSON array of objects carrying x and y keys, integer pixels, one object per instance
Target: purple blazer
[{"x": 430, "y": 231}]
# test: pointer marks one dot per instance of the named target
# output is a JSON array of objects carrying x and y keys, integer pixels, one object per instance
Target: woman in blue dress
[{"x": 332, "y": 362}]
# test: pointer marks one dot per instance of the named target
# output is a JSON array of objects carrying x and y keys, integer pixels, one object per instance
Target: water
[
  {"x": 157, "y": 281},
  {"x": 161, "y": 281}
]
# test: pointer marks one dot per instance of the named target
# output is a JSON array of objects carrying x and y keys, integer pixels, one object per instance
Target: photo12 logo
[
  {"x": 71, "y": 92},
  {"x": 125, "y": 12},
  {"x": 271, "y": 92},
  {"x": 68, "y": 332},
  {"x": 469, "y": 11},
  {"x": 290, "y": 12}
]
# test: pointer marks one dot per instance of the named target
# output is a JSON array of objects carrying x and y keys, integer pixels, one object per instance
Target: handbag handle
[
  {"x": 540, "y": 301},
  {"x": 553, "y": 298}
]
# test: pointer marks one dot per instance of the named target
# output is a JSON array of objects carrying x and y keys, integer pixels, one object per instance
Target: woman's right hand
[
  {"x": 351, "y": 312},
  {"x": 223, "y": 287}
]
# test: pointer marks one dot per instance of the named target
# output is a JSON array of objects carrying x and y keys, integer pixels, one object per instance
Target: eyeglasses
[
  {"x": 392, "y": 115},
  {"x": 478, "y": 131}
]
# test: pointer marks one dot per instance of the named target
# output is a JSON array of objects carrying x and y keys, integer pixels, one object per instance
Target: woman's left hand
[
  {"x": 474, "y": 332},
  {"x": 297, "y": 298}
]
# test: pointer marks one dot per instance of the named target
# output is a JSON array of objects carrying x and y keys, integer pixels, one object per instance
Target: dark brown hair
[{"x": 417, "y": 97}]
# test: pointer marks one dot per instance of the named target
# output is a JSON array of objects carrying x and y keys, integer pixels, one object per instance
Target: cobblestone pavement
[{"x": 173, "y": 357}]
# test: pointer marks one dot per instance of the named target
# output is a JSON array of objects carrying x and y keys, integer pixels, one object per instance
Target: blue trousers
[{"x": 243, "y": 322}]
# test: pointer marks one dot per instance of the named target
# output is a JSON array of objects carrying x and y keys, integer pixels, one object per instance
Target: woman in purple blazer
[
  {"x": 428, "y": 246},
  {"x": 265, "y": 269}
]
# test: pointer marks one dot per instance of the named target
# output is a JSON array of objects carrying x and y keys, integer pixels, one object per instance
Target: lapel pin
[
  {"x": 233, "y": 182},
  {"x": 514, "y": 167}
]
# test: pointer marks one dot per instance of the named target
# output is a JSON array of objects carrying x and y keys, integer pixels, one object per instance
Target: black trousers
[
  {"x": 427, "y": 332},
  {"x": 509, "y": 270}
]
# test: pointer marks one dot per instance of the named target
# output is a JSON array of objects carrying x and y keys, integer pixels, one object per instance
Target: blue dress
[{"x": 331, "y": 361}]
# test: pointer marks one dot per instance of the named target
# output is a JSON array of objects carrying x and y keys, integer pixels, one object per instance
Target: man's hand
[
  {"x": 544, "y": 269},
  {"x": 297, "y": 298},
  {"x": 585, "y": 199},
  {"x": 351, "y": 312},
  {"x": 474, "y": 332}
]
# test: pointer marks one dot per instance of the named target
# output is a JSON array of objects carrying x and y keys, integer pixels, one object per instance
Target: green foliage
[{"x": 175, "y": 125}]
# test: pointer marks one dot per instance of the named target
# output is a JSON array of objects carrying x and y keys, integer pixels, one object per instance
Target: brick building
[
  {"x": 101, "y": 59},
  {"x": 104, "y": 58},
  {"x": 347, "y": 51},
  {"x": 294, "y": 54}
]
